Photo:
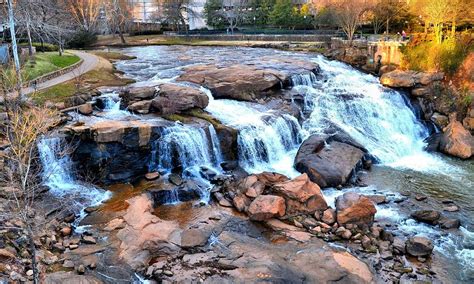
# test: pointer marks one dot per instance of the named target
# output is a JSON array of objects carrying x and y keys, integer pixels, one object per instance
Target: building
[{"x": 147, "y": 11}]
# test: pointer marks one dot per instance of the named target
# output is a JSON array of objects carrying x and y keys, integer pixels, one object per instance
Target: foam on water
[
  {"x": 59, "y": 178},
  {"x": 266, "y": 141},
  {"x": 112, "y": 102}
]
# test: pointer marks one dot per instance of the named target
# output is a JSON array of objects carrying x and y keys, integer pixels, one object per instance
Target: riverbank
[{"x": 183, "y": 151}]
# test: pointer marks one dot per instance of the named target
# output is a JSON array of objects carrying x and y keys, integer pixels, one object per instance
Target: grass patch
[
  {"x": 55, "y": 94},
  {"x": 44, "y": 63},
  {"x": 101, "y": 76}
]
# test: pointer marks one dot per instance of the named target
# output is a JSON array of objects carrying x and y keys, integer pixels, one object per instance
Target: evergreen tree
[{"x": 282, "y": 13}]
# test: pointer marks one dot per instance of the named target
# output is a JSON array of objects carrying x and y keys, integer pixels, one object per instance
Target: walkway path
[{"x": 89, "y": 62}]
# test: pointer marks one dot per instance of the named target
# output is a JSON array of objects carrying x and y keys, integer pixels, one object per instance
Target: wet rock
[
  {"x": 68, "y": 264},
  {"x": 398, "y": 246},
  {"x": 265, "y": 207},
  {"x": 353, "y": 208},
  {"x": 440, "y": 120},
  {"x": 66, "y": 231},
  {"x": 139, "y": 93},
  {"x": 221, "y": 199},
  {"x": 426, "y": 216},
  {"x": 175, "y": 179},
  {"x": 70, "y": 278},
  {"x": 207, "y": 173},
  {"x": 377, "y": 198},
  {"x": 451, "y": 208},
  {"x": 449, "y": 223},
  {"x": 456, "y": 140},
  {"x": 244, "y": 82},
  {"x": 419, "y": 197},
  {"x": 152, "y": 176},
  {"x": 85, "y": 109},
  {"x": 329, "y": 216},
  {"x": 194, "y": 238},
  {"x": 241, "y": 202},
  {"x": 141, "y": 107},
  {"x": 174, "y": 98},
  {"x": 301, "y": 195},
  {"x": 81, "y": 269},
  {"x": 89, "y": 240},
  {"x": 421, "y": 92},
  {"x": 329, "y": 160},
  {"x": 419, "y": 246},
  {"x": 229, "y": 165}
]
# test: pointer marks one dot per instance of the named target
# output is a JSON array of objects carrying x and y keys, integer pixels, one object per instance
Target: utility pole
[{"x": 16, "y": 58}]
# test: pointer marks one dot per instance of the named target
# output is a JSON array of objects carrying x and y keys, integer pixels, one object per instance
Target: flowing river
[{"x": 381, "y": 119}]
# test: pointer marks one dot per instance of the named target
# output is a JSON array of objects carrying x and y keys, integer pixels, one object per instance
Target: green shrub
[
  {"x": 45, "y": 47},
  {"x": 82, "y": 39},
  {"x": 430, "y": 56}
]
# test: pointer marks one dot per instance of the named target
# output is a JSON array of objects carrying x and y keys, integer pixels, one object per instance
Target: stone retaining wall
[{"x": 53, "y": 74}]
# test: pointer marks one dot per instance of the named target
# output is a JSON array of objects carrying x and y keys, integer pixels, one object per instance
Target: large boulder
[
  {"x": 240, "y": 82},
  {"x": 247, "y": 82},
  {"x": 164, "y": 99},
  {"x": 174, "y": 98},
  {"x": 419, "y": 246},
  {"x": 353, "y": 208},
  {"x": 265, "y": 207},
  {"x": 456, "y": 140},
  {"x": 410, "y": 79},
  {"x": 301, "y": 195},
  {"x": 426, "y": 216},
  {"x": 329, "y": 160}
]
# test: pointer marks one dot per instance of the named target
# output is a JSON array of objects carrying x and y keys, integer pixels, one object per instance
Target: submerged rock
[
  {"x": 353, "y": 208},
  {"x": 426, "y": 216},
  {"x": 329, "y": 160}
]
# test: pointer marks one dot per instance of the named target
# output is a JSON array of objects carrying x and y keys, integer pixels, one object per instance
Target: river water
[{"x": 381, "y": 119}]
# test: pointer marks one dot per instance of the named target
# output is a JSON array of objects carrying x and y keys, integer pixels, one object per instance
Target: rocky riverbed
[{"x": 241, "y": 165}]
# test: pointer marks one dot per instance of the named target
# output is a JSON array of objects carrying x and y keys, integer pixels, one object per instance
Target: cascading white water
[
  {"x": 112, "y": 109},
  {"x": 307, "y": 79},
  {"x": 185, "y": 146},
  {"x": 59, "y": 178},
  {"x": 264, "y": 138},
  {"x": 190, "y": 148},
  {"x": 379, "y": 118}
]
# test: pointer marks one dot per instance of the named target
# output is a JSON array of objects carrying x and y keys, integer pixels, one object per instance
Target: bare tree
[
  {"x": 85, "y": 13},
  {"x": 119, "y": 15},
  {"x": 24, "y": 127},
  {"x": 16, "y": 57},
  {"x": 348, "y": 13}
]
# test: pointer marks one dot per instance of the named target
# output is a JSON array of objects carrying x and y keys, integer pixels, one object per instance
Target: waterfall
[
  {"x": 58, "y": 175},
  {"x": 265, "y": 138},
  {"x": 379, "y": 118},
  {"x": 185, "y": 146},
  {"x": 307, "y": 79},
  {"x": 111, "y": 110}
]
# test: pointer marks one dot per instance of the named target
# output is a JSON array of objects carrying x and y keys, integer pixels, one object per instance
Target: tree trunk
[
  {"x": 30, "y": 43},
  {"x": 387, "y": 27},
  {"x": 122, "y": 38},
  {"x": 453, "y": 29},
  {"x": 16, "y": 58}
]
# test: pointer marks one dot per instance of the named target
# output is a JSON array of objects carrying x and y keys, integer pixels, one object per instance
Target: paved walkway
[{"x": 89, "y": 62}]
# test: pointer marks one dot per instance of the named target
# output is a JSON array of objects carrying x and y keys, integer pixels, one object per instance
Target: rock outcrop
[
  {"x": 419, "y": 246},
  {"x": 266, "y": 195},
  {"x": 164, "y": 99},
  {"x": 411, "y": 79},
  {"x": 246, "y": 82},
  {"x": 353, "y": 208},
  {"x": 456, "y": 140},
  {"x": 330, "y": 160}
]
